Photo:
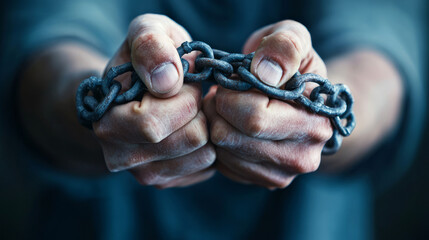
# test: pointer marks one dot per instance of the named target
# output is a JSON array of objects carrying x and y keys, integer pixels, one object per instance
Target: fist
[
  {"x": 265, "y": 141},
  {"x": 163, "y": 139}
]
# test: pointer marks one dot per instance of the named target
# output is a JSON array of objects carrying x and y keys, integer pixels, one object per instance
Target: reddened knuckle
[
  {"x": 190, "y": 105},
  {"x": 152, "y": 129},
  {"x": 287, "y": 38},
  {"x": 145, "y": 40}
]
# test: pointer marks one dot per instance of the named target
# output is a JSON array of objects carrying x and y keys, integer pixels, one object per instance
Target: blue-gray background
[{"x": 402, "y": 212}]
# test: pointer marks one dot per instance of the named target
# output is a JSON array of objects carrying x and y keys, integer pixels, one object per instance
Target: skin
[{"x": 164, "y": 140}]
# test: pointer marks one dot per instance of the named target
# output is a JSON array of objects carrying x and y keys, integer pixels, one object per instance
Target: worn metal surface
[{"x": 218, "y": 66}]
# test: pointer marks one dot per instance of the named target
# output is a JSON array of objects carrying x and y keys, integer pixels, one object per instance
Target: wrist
[
  {"x": 46, "y": 106},
  {"x": 378, "y": 91}
]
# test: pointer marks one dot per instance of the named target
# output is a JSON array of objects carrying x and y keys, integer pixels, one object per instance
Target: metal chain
[{"x": 219, "y": 66}]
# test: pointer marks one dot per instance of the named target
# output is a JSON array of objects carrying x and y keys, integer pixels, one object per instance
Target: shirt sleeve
[
  {"x": 29, "y": 26},
  {"x": 395, "y": 29}
]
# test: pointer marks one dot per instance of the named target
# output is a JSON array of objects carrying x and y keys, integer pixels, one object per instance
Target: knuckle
[
  {"x": 125, "y": 158},
  {"x": 298, "y": 166},
  {"x": 190, "y": 105},
  {"x": 219, "y": 134},
  {"x": 306, "y": 164},
  {"x": 281, "y": 182},
  {"x": 287, "y": 38},
  {"x": 111, "y": 164},
  {"x": 312, "y": 162},
  {"x": 145, "y": 40},
  {"x": 154, "y": 21},
  {"x": 152, "y": 129},
  {"x": 256, "y": 124},
  {"x": 146, "y": 178},
  {"x": 298, "y": 29},
  {"x": 207, "y": 157},
  {"x": 321, "y": 132},
  {"x": 297, "y": 26},
  {"x": 146, "y": 175},
  {"x": 272, "y": 178},
  {"x": 197, "y": 135},
  {"x": 102, "y": 131}
]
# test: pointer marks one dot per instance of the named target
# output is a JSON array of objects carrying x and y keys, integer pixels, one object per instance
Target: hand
[
  {"x": 161, "y": 140},
  {"x": 265, "y": 141}
]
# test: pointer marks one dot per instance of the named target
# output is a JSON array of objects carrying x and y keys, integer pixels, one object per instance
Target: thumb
[
  {"x": 280, "y": 49},
  {"x": 153, "y": 40}
]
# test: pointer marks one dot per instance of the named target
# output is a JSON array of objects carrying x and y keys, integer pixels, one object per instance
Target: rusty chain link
[{"x": 219, "y": 66}]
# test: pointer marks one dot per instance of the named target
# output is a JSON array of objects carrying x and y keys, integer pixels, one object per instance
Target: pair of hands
[{"x": 173, "y": 136}]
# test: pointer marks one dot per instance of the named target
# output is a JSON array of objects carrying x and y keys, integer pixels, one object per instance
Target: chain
[{"x": 218, "y": 67}]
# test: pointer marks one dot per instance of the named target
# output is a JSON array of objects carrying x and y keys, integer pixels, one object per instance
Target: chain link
[{"x": 224, "y": 68}]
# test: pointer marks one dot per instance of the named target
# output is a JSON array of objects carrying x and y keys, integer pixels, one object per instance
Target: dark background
[{"x": 402, "y": 212}]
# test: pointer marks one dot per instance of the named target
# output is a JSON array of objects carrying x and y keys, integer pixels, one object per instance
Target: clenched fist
[
  {"x": 162, "y": 140},
  {"x": 265, "y": 141}
]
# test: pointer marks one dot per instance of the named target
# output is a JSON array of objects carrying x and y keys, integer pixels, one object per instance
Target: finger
[
  {"x": 280, "y": 51},
  {"x": 150, "y": 120},
  {"x": 256, "y": 115},
  {"x": 188, "y": 180},
  {"x": 153, "y": 40},
  {"x": 161, "y": 172},
  {"x": 257, "y": 173},
  {"x": 297, "y": 156},
  {"x": 125, "y": 155},
  {"x": 230, "y": 174}
]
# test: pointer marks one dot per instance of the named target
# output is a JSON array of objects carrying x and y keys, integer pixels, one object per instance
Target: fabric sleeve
[
  {"x": 395, "y": 29},
  {"x": 27, "y": 27}
]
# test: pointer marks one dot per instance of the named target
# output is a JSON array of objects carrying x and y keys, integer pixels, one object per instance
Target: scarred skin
[{"x": 175, "y": 137}]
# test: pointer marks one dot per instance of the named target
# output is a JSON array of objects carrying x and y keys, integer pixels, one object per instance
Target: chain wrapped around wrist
[{"x": 218, "y": 66}]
